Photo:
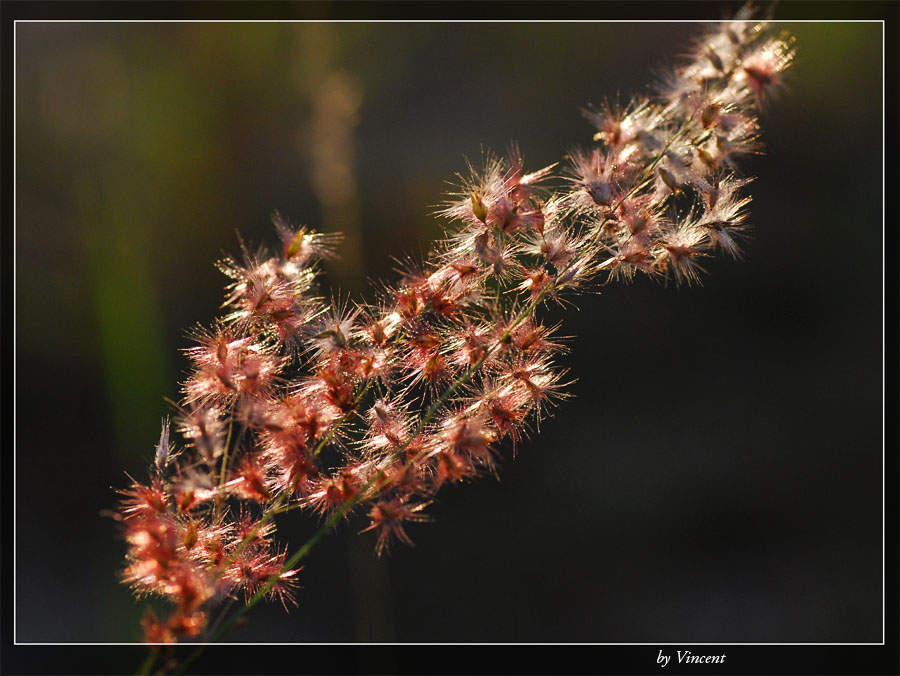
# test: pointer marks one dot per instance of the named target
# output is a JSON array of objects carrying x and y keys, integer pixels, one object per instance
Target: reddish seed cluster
[{"x": 298, "y": 403}]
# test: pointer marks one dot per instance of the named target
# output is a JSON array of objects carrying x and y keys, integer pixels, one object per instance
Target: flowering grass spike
[{"x": 294, "y": 402}]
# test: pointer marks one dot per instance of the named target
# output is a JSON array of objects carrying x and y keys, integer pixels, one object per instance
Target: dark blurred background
[{"x": 717, "y": 477}]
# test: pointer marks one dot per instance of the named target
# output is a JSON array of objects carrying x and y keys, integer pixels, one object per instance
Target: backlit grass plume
[{"x": 295, "y": 402}]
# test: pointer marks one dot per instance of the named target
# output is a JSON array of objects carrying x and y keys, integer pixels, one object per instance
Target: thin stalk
[
  {"x": 227, "y": 445},
  {"x": 218, "y": 621},
  {"x": 278, "y": 504},
  {"x": 148, "y": 663},
  {"x": 220, "y": 498},
  {"x": 344, "y": 418}
]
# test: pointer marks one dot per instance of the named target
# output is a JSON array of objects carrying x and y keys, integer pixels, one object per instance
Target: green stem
[
  {"x": 220, "y": 498},
  {"x": 217, "y": 623},
  {"x": 292, "y": 561},
  {"x": 148, "y": 663},
  {"x": 278, "y": 504}
]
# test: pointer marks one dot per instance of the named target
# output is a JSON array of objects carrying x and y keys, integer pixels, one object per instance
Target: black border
[
  {"x": 439, "y": 9},
  {"x": 449, "y": 659}
]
